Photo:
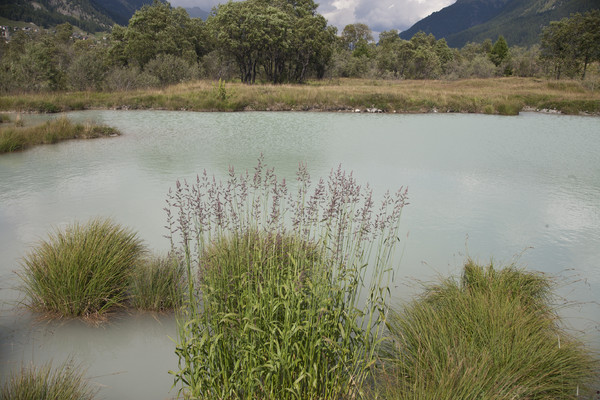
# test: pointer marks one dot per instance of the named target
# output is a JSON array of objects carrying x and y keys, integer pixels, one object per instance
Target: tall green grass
[
  {"x": 66, "y": 382},
  {"x": 157, "y": 284},
  {"x": 493, "y": 334},
  {"x": 22, "y": 137},
  {"x": 276, "y": 311},
  {"x": 81, "y": 271}
]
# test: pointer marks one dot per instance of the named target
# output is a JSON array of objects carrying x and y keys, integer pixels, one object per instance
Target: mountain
[
  {"x": 89, "y": 15},
  {"x": 519, "y": 21},
  {"x": 120, "y": 11},
  {"x": 197, "y": 12}
]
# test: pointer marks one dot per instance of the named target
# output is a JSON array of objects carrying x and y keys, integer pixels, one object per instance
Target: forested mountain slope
[
  {"x": 519, "y": 21},
  {"x": 89, "y": 15}
]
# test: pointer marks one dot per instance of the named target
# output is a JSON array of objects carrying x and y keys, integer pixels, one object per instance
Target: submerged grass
[
  {"x": 157, "y": 284},
  {"x": 494, "y": 95},
  {"x": 21, "y": 137},
  {"x": 492, "y": 335},
  {"x": 65, "y": 382},
  {"x": 81, "y": 271}
]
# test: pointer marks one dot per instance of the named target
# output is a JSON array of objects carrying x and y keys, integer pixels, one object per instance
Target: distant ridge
[
  {"x": 89, "y": 15},
  {"x": 197, "y": 12},
  {"x": 519, "y": 21}
]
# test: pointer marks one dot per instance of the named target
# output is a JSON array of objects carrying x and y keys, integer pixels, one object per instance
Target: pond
[{"x": 520, "y": 189}]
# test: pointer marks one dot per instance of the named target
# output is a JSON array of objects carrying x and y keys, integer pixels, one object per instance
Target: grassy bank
[
  {"x": 505, "y": 96},
  {"x": 18, "y": 137}
]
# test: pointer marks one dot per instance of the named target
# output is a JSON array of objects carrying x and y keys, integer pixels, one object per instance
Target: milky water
[{"x": 520, "y": 189}]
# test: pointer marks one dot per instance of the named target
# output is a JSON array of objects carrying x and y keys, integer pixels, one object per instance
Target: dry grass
[
  {"x": 20, "y": 137},
  {"x": 493, "y": 96}
]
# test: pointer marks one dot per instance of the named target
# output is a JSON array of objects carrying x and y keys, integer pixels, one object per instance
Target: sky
[{"x": 379, "y": 15}]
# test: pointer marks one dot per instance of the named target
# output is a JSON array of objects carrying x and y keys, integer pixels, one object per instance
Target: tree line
[{"x": 275, "y": 41}]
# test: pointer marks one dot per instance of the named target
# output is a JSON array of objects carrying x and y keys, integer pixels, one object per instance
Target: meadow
[{"x": 504, "y": 96}]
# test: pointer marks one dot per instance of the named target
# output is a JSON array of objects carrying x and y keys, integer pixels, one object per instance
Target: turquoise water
[{"x": 520, "y": 189}]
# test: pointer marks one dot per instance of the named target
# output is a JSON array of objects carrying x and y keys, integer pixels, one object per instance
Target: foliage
[
  {"x": 422, "y": 57},
  {"x": 277, "y": 311},
  {"x": 129, "y": 78},
  {"x": 492, "y": 334},
  {"x": 82, "y": 270},
  {"x": 287, "y": 39},
  {"x": 170, "y": 69},
  {"x": 157, "y": 284},
  {"x": 87, "y": 69},
  {"x": 571, "y": 44},
  {"x": 159, "y": 29},
  {"x": 499, "y": 51},
  {"x": 64, "y": 382}
]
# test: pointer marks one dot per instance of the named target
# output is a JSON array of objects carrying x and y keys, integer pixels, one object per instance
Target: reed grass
[
  {"x": 22, "y": 137},
  {"x": 81, "y": 271},
  {"x": 65, "y": 382},
  {"x": 277, "y": 310},
  {"x": 493, "y": 334},
  {"x": 4, "y": 118},
  {"x": 494, "y": 95},
  {"x": 157, "y": 284}
]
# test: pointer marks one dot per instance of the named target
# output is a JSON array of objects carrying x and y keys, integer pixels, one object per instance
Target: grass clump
[
  {"x": 81, "y": 271},
  {"x": 21, "y": 137},
  {"x": 65, "y": 382},
  {"x": 276, "y": 311},
  {"x": 491, "y": 335},
  {"x": 157, "y": 284}
]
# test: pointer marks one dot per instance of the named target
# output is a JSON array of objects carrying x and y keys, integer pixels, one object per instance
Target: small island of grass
[{"x": 16, "y": 137}]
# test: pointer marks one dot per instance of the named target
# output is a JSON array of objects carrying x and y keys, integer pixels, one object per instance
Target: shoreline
[{"x": 494, "y": 96}]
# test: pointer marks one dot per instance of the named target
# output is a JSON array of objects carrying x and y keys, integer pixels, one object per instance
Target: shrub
[
  {"x": 82, "y": 270},
  {"x": 129, "y": 78},
  {"x": 277, "y": 312},
  {"x": 170, "y": 69},
  {"x": 46, "y": 383},
  {"x": 493, "y": 334},
  {"x": 157, "y": 284}
]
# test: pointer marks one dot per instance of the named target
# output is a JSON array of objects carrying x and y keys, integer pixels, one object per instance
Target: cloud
[{"x": 380, "y": 15}]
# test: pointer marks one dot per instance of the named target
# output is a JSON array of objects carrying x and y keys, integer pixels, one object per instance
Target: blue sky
[{"x": 380, "y": 15}]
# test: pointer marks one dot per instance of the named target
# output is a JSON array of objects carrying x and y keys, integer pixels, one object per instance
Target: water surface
[{"x": 524, "y": 189}]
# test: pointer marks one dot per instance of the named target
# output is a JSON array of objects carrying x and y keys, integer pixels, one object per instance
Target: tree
[
  {"x": 587, "y": 27},
  {"x": 571, "y": 44},
  {"x": 357, "y": 36},
  {"x": 283, "y": 38},
  {"x": 64, "y": 32},
  {"x": 158, "y": 29},
  {"x": 499, "y": 51}
]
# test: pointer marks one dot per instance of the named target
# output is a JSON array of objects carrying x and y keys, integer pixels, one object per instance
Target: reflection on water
[{"x": 483, "y": 186}]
